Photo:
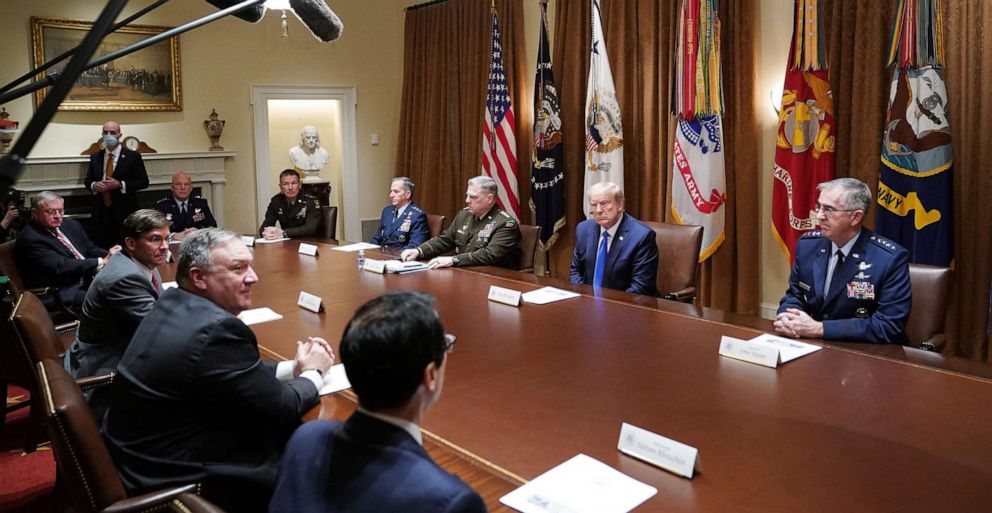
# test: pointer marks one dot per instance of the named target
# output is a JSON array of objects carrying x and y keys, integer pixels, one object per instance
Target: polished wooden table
[{"x": 527, "y": 388}]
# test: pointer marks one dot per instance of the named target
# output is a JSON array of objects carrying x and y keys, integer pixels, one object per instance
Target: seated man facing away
[
  {"x": 613, "y": 249},
  {"x": 186, "y": 212},
  {"x": 394, "y": 350},
  {"x": 298, "y": 214},
  {"x": 847, "y": 283},
  {"x": 402, "y": 224},
  {"x": 192, "y": 402},
  {"x": 53, "y": 251},
  {"x": 481, "y": 233}
]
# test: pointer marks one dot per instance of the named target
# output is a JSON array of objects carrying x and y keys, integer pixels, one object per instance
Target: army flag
[
  {"x": 915, "y": 184},
  {"x": 547, "y": 177},
  {"x": 499, "y": 143},
  {"x": 699, "y": 183},
  {"x": 604, "y": 131},
  {"x": 804, "y": 147}
]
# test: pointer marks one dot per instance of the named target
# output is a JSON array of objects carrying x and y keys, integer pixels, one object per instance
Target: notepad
[
  {"x": 336, "y": 380},
  {"x": 258, "y": 315},
  {"x": 260, "y": 240},
  {"x": 548, "y": 295},
  {"x": 355, "y": 247}
]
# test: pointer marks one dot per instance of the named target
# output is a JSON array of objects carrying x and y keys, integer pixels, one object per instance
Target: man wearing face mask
[
  {"x": 308, "y": 157},
  {"x": 115, "y": 176}
]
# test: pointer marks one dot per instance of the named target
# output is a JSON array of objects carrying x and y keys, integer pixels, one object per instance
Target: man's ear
[
  {"x": 198, "y": 278},
  {"x": 431, "y": 377},
  {"x": 857, "y": 217},
  {"x": 130, "y": 244}
]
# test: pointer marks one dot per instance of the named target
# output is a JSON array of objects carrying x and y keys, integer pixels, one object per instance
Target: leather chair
[
  {"x": 328, "y": 223},
  {"x": 678, "y": 259},
  {"x": 65, "y": 319},
  {"x": 86, "y": 471},
  {"x": 529, "y": 235},
  {"x": 435, "y": 224},
  {"x": 931, "y": 286},
  {"x": 189, "y": 503}
]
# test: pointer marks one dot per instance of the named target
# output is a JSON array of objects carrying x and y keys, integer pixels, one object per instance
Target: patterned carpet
[{"x": 26, "y": 480}]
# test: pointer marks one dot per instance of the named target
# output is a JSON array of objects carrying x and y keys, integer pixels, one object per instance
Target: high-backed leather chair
[
  {"x": 328, "y": 222},
  {"x": 189, "y": 503},
  {"x": 435, "y": 224},
  {"x": 86, "y": 471},
  {"x": 529, "y": 235},
  {"x": 65, "y": 320},
  {"x": 931, "y": 286},
  {"x": 678, "y": 258}
]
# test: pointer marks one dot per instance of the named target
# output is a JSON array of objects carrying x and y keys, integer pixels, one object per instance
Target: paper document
[
  {"x": 258, "y": 315},
  {"x": 169, "y": 285},
  {"x": 355, "y": 247},
  {"x": 335, "y": 381},
  {"x": 395, "y": 266},
  {"x": 788, "y": 350},
  {"x": 547, "y": 295},
  {"x": 580, "y": 485},
  {"x": 260, "y": 240}
]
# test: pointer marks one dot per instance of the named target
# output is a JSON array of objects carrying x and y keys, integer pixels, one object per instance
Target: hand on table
[
  {"x": 314, "y": 354},
  {"x": 797, "y": 323}
]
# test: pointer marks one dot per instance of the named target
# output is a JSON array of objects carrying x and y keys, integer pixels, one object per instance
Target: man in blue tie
[
  {"x": 403, "y": 224},
  {"x": 613, "y": 249}
]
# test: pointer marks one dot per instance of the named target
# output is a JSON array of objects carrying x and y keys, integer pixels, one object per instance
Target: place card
[
  {"x": 376, "y": 266},
  {"x": 308, "y": 249},
  {"x": 506, "y": 296},
  {"x": 249, "y": 241},
  {"x": 788, "y": 349},
  {"x": 749, "y": 352},
  {"x": 308, "y": 301},
  {"x": 665, "y": 453}
]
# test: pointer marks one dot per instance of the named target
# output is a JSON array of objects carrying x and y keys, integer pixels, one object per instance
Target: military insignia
[
  {"x": 487, "y": 230},
  {"x": 168, "y": 216},
  {"x": 861, "y": 313},
  {"x": 280, "y": 211},
  {"x": 863, "y": 266},
  {"x": 401, "y": 237},
  {"x": 861, "y": 290},
  {"x": 862, "y": 276},
  {"x": 302, "y": 213},
  {"x": 405, "y": 227},
  {"x": 805, "y": 287},
  {"x": 510, "y": 224}
]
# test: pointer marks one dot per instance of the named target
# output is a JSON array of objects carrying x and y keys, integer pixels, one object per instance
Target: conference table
[{"x": 528, "y": 387}]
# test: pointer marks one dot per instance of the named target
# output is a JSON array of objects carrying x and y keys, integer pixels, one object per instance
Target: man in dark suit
[
  {"x": 186, "y": 212},
  {"x": 115, "y": 176},
  {"x": 394, "y": 350},
  {"x": 298, "y": 214},
  {"x": 402, "y": 224},
  {"x": 847, "y": 283},
  {"x": 613, "y": 249},
  {"x": 192, "y": 402},
  {"x": 53, "y": 251}
]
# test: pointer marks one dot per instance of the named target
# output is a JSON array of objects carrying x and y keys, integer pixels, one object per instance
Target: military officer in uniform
[
  {"x": 847, "y": 283},
  {"x": 186, "y": 212},
  {"x": 481, "y": 233},
  {"x": 402, "y": 224},
  {"x": 298, "y": 214}
]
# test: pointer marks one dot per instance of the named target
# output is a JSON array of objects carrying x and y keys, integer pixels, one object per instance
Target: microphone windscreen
[
  {"x": 319, "y": 18},
  {"x": 252, "y": 14}
]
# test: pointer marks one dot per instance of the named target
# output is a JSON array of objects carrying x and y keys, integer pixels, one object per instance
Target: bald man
[
  {"x": 115, "y": 176},
  {"x": 186, "y": 211}
]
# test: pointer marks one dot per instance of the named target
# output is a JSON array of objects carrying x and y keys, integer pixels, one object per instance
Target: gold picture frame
[{"x": 149, "y": 79}]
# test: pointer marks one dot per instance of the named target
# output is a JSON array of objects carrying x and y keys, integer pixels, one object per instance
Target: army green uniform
[
  {"x": 300, "y": 219},
  {"x": 492, "y": 240}
]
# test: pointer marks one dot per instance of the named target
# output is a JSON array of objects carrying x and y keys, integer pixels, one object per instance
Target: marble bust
[{"x": 308, "y": 157}]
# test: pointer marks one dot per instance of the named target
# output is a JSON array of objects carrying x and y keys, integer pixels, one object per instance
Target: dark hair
[
  {"x": 141, "y": 221},
  {"x": 388, "y": 344},
  {"x": 289, "y": 172}
]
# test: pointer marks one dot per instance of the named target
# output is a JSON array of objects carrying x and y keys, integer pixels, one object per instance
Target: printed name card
[
  {"x": 310, "y": 302},
  {"x": 376, "y": 266},
  {"x": 505, "y": 296},
  {"x": 749, "y": 352},
  {"x": 249, "y": 241},
  {"x": 308, "y": 249},
  {"x": 675, "y": 457}
]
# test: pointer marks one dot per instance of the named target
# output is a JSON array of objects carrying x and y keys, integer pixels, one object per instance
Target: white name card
[
  {"x": 749, "y": 352},
  {"x": 376, "y": 266},
  {"x": 308, "y": 301},
  {"x": 505, "y": 296},
  {"x": 308, "y": 249},
  {"x": 249, "y": 241},
  {"x": 675, "y": 457}
]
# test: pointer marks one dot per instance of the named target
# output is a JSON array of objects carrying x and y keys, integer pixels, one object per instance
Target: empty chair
[
  {"x": 678, "y": 258},
  {"x": 435, "y": 224},
  {"x": 529, "y": 235},
  {"x": 931, "y": 286},
  {"x": 328, "y": 222}
]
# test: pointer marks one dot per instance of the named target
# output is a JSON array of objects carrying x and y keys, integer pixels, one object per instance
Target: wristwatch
[{"x": 454, "y": 260}]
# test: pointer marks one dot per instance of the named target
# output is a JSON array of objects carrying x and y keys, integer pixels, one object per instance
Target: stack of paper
[
  {"x": 355, "y": 247},
  {"x": 258, "y": 315},
  {"x": 395, "y": 266},
  {"x": 335, "y": 381}
]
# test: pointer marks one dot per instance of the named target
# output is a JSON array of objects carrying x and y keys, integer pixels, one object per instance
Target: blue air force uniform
[
  {"x": 408, "y": 230},
  {"x": 198, "y": 213},
  {"x": 869, "y": 297}
]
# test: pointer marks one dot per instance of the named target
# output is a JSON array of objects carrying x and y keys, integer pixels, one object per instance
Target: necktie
[
  {"x": 396, "y": 213},
  {"x": 154, "y": 282},
  {"x": 182, "y": 208},
  {"x": 68, "y": 244},
  {"x": 832, "y": 272},
  {"x": 597, "y": 277},
  {"x": 109, "y": 172}
]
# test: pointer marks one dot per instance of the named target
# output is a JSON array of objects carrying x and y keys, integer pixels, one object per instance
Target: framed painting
[{"x": 149, "y": 79}]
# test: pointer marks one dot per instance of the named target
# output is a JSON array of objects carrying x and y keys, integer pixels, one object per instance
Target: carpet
[{"x": 26, "y": 480}]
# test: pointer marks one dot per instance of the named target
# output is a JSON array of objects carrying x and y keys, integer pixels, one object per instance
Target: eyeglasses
[
  {"x": 449, "y": 342},
  {"x": 827, "y": 209},
  {"x": 53, "y": 211}
]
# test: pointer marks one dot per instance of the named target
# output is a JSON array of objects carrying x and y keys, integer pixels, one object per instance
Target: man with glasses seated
[
  {"x": 847, "y": 283},
  {"x": 53, "y": 251}
]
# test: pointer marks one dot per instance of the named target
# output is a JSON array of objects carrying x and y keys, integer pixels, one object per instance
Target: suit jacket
[
  {"x": 299, "y": 219},
  {"x": 869, "y": 297},
  {"x": 120, "y": 296},
  {"x": 45, "y": 262},
  {"x": 198, "y": 213},
  {"x": 130, "y": 169},
  {"x": 631, "y": 264},
  {"x": 192, "y": 402},
  {"x": 406, "y": 231},
  {"x": 365, "y": 465}
]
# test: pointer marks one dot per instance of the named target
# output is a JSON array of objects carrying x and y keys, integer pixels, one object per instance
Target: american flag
[{"x": 499, "y": 143}]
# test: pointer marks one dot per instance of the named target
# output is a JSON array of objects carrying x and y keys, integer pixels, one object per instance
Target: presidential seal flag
[
  {"x": 547, "y": 177},
  {"x": 699, "y": 183},
  {"x": 604, "y": 131},
  {"x": 804, "y": 148},
  {"x": 499, "y": 143},
  {"x": 914, "y": 187}
]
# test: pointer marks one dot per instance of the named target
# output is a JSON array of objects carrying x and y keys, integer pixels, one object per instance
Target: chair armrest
[
  {"x": 935, "y": 343},
  {"x": 68, "y": 316},
  {"x": 96, "y": 382},
  {"x": 153, "y": 501},
  {"x": 685, "y": 295}
]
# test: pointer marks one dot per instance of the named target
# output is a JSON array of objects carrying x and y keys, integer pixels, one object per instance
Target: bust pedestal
[{"x": 321, "y": 189}]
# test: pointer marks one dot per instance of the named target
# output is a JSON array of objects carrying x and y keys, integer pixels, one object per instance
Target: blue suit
[
  {"x": 409, "y": 230},
  {"x": 869, "y": 297},
  {"x": 364, "y": 465},
  {"x": 631, "y": 264}
]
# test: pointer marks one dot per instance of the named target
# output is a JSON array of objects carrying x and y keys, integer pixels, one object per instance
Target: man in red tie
[{"x": 115, "y": 176}]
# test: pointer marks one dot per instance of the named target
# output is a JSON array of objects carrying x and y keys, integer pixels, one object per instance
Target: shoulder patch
[
  {"x": 814, "y": 234},
  {"x": 163, "y": 200}
]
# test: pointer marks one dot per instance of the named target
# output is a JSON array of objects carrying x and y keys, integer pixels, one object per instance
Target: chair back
[
  {"x": 328, "y": 222},
  {"x": 678, "y": 259},
  {"x": 8, "y": 267},
  {"x": 931, "y": 286},
  {"x": 529, "y": 235},
  {"x": 35, "y": 332},
  {"x": 435, "y": 224}
]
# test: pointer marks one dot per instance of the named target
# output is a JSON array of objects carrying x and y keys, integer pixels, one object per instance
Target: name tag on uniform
[
  {"x": 506, "y": 296},
  {"x": 675, "y": 457},
  {"x": 308, "y": 301},
  {"x": 308, "y": 249}
]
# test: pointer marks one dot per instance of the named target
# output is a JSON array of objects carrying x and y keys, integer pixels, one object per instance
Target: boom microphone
[{"x": 314, "y": 14}]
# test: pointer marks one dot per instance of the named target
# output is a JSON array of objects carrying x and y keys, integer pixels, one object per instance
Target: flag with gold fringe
[
  {"x": 499, "y": 142},
  {"x": 915, "y": 184},
  {"x": 547, "y": 176},
  {"x": 604, "y": 130},
  {"x": 699, "y": 182},
  {"x": 804, "y": 147}
]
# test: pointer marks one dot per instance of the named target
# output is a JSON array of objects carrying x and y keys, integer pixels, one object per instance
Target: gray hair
[
  {"x": 407, "y": 183},
  {"x": 141, "y": 221},
  {"x": 607, "y": 188},
  {"x": 195, "y": 251},
  {"x": 856, "y": 194},
  {"x": 485, "y": 183},
  {"x": 44, "y": 197}
]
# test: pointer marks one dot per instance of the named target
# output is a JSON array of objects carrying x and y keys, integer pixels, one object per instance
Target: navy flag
[{"x": 547, "y": 178}]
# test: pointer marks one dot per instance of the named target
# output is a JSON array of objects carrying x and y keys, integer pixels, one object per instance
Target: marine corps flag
[
  {"x": 699, "y": 183},
  {"x": 499, "y": 144},
  {"x": 804, "y": 148},
  {"x": 914, "y": 188},
  {"x": 547, "y": 178},
  {"x": 604, "y": 131}
]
